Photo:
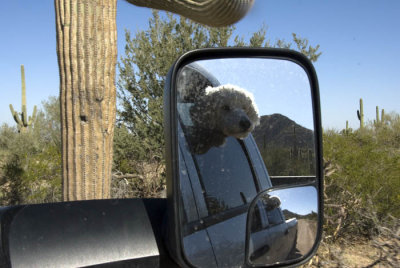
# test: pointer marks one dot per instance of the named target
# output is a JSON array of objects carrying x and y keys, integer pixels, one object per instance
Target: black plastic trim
[
  {"x": 135, "y": 263},
  {"x": 291, "y": 180},
  {"x": 6, "y": 216}
]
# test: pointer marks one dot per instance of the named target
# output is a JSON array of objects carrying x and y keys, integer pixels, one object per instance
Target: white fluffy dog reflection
[{"x": 223, "y": 111}]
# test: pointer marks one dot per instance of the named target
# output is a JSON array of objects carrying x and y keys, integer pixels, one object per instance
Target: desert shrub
[
  {"x": 30, "y": 167},
  {"x": 362, "y": 187},
  {"x": 138, "y": 171},
  {"x": 147, "y": 180}
]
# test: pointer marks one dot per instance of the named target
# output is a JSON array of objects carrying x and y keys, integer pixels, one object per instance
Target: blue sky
[
  {"x": 359, "y": 41},
  {"x": 300, "y": 200}
]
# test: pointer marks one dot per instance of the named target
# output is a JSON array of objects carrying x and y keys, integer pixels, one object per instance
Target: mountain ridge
[{"x": 277, "y": 130}]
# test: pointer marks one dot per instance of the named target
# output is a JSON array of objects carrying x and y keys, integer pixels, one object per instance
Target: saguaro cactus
[
  {"x": 87, "y": 56},
  {"x": 360, "y": 114},
  {"x": 22, "y": 119},
  {"x": 382, "y": 119}
]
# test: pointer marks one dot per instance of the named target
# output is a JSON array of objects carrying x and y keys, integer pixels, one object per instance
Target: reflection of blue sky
[
  {"x": 278, "y": 86},
  {"x": 300, "y": 200}
]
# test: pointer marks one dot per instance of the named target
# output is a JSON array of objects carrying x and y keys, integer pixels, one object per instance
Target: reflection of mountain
[
  {"x": 311, "y": 216},
  {"x": 279, "y": 131},
  {"x": 286, "y": 147}
]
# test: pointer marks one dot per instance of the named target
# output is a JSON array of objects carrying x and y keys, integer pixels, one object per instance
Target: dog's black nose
[{"x": 244, "y": 123}]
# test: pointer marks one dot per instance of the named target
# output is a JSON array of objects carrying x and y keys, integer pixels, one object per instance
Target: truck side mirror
[
  {"x": 282, "y": 226},
  {"x": 239, "y": 122}
]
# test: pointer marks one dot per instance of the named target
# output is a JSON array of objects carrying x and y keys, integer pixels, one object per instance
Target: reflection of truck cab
[
  {"x": 273, "y": 237},
  {"x": 216, "y": 189}
]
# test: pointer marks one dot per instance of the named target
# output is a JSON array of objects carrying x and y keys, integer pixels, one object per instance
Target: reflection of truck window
[
  {"x": 274, "y": 216},
  {"x": 226, "y": 177}
]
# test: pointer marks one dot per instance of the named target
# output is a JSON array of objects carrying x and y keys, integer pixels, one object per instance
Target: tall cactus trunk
[
  {"x": 24, "y": 118},
  {"x": 381, "y": 121},
  {"x": 25, "y": 121},
  {"x": 87, "y": 54},
  {"x": 360, "y": 114},
  {"x": 377, "y": 116}
]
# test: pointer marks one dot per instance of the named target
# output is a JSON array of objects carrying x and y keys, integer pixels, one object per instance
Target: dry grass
[
  {"x": 344, "y": 255},
  {"x": 148, "y": 181},
  {"x": 354, "y": 234},
  {"x": 383, "y": 251}
]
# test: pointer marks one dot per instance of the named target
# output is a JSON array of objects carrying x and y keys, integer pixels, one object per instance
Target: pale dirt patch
[
  {"x": 359, "y": 255},
  {"x": 346, "y": 255}
]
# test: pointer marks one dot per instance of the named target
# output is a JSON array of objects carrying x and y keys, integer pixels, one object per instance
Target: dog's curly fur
[{"x": 222, "y": 111}]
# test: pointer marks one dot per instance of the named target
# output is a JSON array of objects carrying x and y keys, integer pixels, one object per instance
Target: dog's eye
[{"x": 226, "y": 108}]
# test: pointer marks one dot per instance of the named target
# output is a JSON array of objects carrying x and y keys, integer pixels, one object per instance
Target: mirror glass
[
  {"x": 282, "y": 225},
  {"x": 244, "y": 125}
]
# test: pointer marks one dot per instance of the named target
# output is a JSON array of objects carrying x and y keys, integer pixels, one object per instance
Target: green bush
[
  {"x": 30, "y": 166},
  {"x": 367, "y": 166}
]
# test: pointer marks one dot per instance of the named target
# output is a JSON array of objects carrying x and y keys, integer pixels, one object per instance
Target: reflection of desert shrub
[
  {"x": 215, "y": 205},
  {"x": 286, "y": 161}
]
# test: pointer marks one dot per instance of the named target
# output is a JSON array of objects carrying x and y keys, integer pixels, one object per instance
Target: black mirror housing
[{"x": 182, "y": 223}]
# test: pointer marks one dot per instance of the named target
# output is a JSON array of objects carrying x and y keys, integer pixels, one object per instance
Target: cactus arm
[
  {"x": 15, "y": 116},
  {"x": 214, "y": 13},
  {"x": 34, "y": 113},
  {"x": 12, "y": 110},
  {"x": 33, "y": 117}
]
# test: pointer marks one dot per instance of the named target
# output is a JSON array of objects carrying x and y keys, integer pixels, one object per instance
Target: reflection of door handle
[{"x": 259, "y": 252}]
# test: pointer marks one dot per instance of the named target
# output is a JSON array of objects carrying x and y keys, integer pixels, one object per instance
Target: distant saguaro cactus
[
  {"x": 22, "y": 119},
  {"x": 360, "y": 114},
  {"x": 382, "y": 119}
]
